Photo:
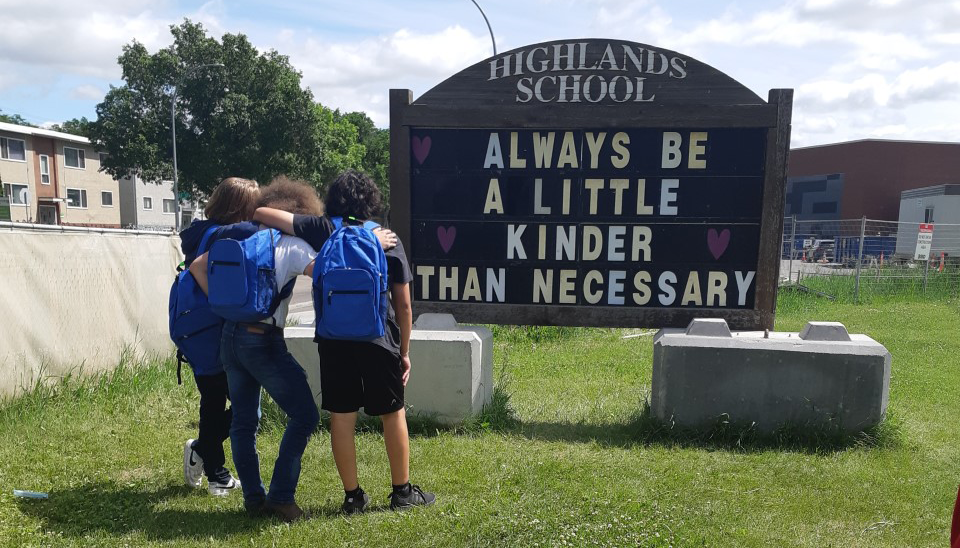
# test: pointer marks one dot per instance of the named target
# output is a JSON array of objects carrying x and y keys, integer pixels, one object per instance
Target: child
[
  {"x": 232, "y": 202},
  {"x": 369, "y": 374},
  {"x": 255, "y": 356}
]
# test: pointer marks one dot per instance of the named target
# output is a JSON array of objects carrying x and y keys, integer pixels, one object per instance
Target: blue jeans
[{"x": 252, "y": 360}]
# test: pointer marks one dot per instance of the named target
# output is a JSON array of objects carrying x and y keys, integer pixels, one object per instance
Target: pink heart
[
  {"x": 446, "y": 236},
  {"x": 421, "y": 148},
  {"x": 718, "y": 242}
]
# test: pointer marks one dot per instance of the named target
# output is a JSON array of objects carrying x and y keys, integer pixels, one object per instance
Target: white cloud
[
  {"x": 356, "y": 75},
  {"x": 92, "y": 93}
]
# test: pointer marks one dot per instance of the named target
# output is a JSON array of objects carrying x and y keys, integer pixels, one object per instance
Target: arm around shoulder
[{"x": 275, "y": 218}]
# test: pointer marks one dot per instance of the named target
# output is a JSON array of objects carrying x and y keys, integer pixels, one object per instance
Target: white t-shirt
[{"x": 291, "y": 256}]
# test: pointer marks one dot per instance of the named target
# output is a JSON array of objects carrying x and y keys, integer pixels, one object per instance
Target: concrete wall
[{"x": 73, "y": 300}]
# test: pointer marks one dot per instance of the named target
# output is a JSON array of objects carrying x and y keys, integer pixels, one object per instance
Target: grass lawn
[{"x": 567, "y": 457}]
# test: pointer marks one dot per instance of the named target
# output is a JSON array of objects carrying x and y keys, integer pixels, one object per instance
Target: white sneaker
[
  {"x": 192, "y": 466},
  {"x": 222, "y": 489}
]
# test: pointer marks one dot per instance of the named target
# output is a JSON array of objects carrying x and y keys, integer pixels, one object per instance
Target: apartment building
[
  {"x": 51, "y": 177},
  {"x": 150, "y": 206}
]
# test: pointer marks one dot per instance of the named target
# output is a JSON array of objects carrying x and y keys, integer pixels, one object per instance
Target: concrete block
[
  {"x": 824, "y": 331},
  {"x": 771, "y": 380},
  {"x": 452, "y": 370},
  {"x": 441, "y": 322}
]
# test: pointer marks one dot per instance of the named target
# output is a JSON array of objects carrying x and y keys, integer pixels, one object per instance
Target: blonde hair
[
  {"x": 234, "y": 200},
  {"x": 294, "y": 196}
]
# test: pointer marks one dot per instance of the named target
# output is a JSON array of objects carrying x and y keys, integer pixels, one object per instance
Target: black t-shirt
[{"x": 315, "y": 231}]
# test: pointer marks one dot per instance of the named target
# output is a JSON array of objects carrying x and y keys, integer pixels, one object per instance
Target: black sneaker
[
  {"x": 409, "y": 497},
  {"x": 355, "y": 503}
]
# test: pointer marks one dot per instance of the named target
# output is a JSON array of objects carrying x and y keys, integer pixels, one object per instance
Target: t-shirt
[
  {"x": 315, "y": 231},
  {"x": 291, "y": 257}
]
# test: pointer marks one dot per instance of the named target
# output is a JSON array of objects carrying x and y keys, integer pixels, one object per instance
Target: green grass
[
  {"x": 565, "y": 456},
  {"x": 889, "y": 284}
]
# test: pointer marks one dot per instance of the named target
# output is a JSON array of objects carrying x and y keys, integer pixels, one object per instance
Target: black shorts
[{"x": 360, "y": 374}]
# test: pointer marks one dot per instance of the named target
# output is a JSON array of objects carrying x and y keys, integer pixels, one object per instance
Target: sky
[{"x": 887, "y": 69}]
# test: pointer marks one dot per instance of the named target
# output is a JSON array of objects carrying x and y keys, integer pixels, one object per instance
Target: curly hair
[
  {"x": 291, "y": 195},
  {"x": 353, "y": 194},
  {"x": 232, "y": 201}
]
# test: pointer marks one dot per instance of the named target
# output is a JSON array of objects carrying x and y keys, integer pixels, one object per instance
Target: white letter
[
  {"x": 716, "y": 289},
  {"x": 594, "y": 186},
  {"x": 538, "y": 207},
  {"x": 449, "y": 283},
  {"x": 615, "y": 289},
  {"x": 515, "y": 161},
  {"x": 567, "y": 287},
  {"x": 567, "y": 244},
  {"x": 695, "y": 158},
  {"x": 668, "y": 196},
  {"x": 595, "y": 143},
  {"x": 471, "y": 289},
  {"x": 615, "y": 236},
  {"x": 494, "y": 201},
  {"x": 591, "y": 296},
  {"x": 425, "y": 272},
  {"x": 671, "y": 150},
  {"x": 743, "y": 285},
  {"x": 496, "y": 285},
  {"x": 514, "y": 245},
  {"x": 592, "y": 243},
  {"x": 668, "y": 294},
  {"x": 494, "y": 154},
  {"x": 542, "y": 286}
]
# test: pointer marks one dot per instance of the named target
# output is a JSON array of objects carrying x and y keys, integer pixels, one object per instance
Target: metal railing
[{"x": 867, "y": 255}]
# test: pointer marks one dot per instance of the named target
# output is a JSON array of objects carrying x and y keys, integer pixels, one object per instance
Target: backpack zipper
[{"x": 345, "y": 292}]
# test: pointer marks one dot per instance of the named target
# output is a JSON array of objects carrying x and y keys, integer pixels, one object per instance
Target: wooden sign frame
[{"x": 709, "y": 99}]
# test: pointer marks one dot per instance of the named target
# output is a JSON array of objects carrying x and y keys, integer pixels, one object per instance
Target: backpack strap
[
  {"x": 206, "y": 238},
  {"x": 337, "y": 222},
  {"x": 370, "y": 225}
]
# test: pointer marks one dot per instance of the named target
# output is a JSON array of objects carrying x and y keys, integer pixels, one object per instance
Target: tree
[
  {"x": 15, "y": 119},
  {"x": 249, "y": 118},
  {"x": 340, "y": 148},
  {"x": 376, "y": 158},
  {"x": 74, "y": 126}
]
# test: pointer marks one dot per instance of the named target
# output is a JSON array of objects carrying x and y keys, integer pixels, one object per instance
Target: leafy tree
[
  {"x": 376, "y": 142},
  {"x": 340, "y": 148},
  {"x": 74, "y": 126},
  {"x": 15, "y": 119},
  {"x": 249, "y": 118}
]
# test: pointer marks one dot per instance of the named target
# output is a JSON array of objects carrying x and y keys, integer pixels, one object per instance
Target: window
[
  {"x": 928, "y": 215},
  {"x": 44, "y": 169},
  {"x": 13, "y": 149},
  {"x": 14, "y": 192},
  {"x": 77, "y": 197},
  {"x": 103, "y": 157},
  {"x": 74, "y": 157},
  {"x": 169, "y": 206},
  {"x": 106, "y": 198},
  {"x": 147, "y": 203}
]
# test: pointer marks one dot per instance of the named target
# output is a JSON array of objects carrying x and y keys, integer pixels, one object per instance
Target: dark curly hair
[
  {"x": 353, "y": 194},
  {"x": 291, "y": 195}
]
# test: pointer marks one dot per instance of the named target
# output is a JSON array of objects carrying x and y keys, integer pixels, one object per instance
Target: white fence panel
[{"x": 75, "y": 299}]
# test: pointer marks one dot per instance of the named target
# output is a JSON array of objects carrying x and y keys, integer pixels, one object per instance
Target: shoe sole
[{"x": 187, "y": 449}]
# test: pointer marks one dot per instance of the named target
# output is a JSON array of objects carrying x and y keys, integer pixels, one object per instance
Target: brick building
[{"x": 864, "y": 178}]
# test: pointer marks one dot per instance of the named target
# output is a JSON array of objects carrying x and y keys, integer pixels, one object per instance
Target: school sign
[{"x": 591, "y": 182}]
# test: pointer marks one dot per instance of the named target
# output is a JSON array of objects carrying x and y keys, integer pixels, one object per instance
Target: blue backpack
[
  {"x": 350, "y": 284},
  {"x": 242, "y": 278},
  {"x": 194, "y": 328}
]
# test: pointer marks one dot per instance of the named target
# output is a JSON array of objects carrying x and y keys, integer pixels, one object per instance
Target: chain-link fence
[{"x": 855, "y": 258}]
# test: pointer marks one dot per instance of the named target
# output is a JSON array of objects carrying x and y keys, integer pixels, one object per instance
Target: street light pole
[
  {"x": 488, "y": 26},
  {"x": 173, "y": 134}
]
